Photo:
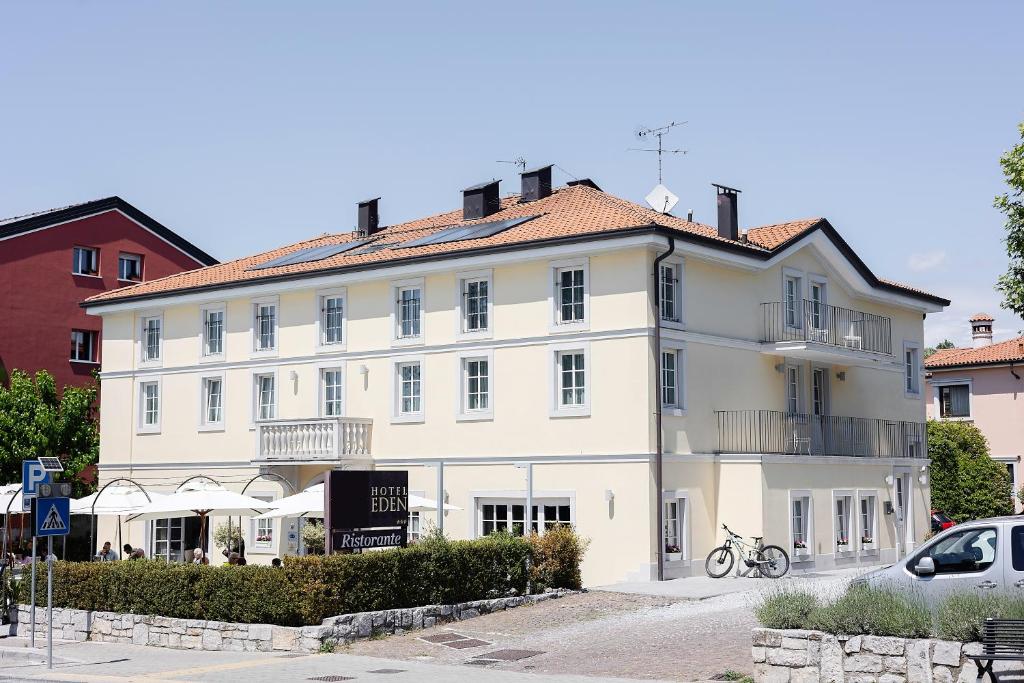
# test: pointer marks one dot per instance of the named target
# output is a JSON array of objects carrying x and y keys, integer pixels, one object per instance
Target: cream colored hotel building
[{"x": 522, "y": 330}]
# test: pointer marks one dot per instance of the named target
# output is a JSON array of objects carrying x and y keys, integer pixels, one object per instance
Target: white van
[{"x": 982, "y": 555}]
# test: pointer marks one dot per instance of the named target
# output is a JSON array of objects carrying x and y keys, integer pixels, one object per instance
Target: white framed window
[
  {"x": 792, "y": 297},
  {"x": 211, "y": 415},
  {"x": 85, "y": 261},
  {"x": 264, "y": 326},
  {"x": 570, "y": 297},
  {"x": 149, "y": 407},
  {"x": 509, "y": 514},
  {"x": 408, "y": 390},
  {"x": 129, "y": 267},
  {"x": 332, "y": 392},
  {"x": 819, "y": 391},
  {"x": 801, "y": 528},
  {"x": 264, "y": 404},
  {"x": 84, "y": 346},
  {"x": 167, "y": 539},
  {"x": 407, "y": 312},
  {"x": 671, "y": 277},
  {"x": 912, "y": 369},
  {"x": 262, "y": 530},
  {"x": 817, "y": 306},
  {"x": 867, "y": 529},
  {"x": 676, "y": 525},
  {"x": 673, "y": 378},
  {"x": 151, "y": 339},
  {"x": 332, "y": 320},
  {"x": 415, "y": 529},
  {"x": 794, "y": 389},
  {"x": 476, "y": 386},
  {"x": 474, "y": 304},
  {"x": 212, "y": 332},
  {"x": 843, "y": 521},
  {"x": 570, "y": 381},
  {"x": 952, "y": 399}
]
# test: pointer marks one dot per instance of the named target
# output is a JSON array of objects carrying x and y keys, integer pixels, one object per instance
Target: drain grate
[
  {"x": 443, "y": 637},
  {"x": 482, "y": 662},
  {"x": 292, "y": 655},
  {"x": 332, "y": 677},
  {"x": 387, "y": 671},
  {"x": 509, "y": 655},
  {"x": 465, "y": 643}
]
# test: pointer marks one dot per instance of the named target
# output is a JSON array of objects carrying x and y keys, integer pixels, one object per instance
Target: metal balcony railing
[
  {"x": 777, "y": 432},
  {"x": 815, "y": 322},
  {"x": 321, "y": 439}
]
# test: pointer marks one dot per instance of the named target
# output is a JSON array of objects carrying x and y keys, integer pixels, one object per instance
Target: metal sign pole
[
  {"x": 32, "y": 637},
  {"x": 49, "y": 602}
]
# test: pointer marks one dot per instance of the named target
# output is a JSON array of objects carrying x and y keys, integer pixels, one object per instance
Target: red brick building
[{"x": 52, "y": 260}]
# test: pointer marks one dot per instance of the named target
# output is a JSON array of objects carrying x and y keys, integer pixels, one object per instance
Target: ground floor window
[
  {"x": 263, "y": 529},
  {"x": 674, "y": 519},
  {"x": 510, "y": 515},
  {"x": 800, "y": 522},
  {"x": 843, "y": 504},
  {"x": 866, "y": 520},
  {"x": 415, "y": 530}
]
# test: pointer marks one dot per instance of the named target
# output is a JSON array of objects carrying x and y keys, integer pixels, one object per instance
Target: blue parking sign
[
  {"x": 53, "y": 516},
  {"x": 32, "y": 475}
]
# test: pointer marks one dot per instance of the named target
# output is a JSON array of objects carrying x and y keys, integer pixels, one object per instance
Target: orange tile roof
[
  {"x": 981, "y": 317},
  {"x": 574, "y": 211},
  {"x": 1011, "y": 350}
]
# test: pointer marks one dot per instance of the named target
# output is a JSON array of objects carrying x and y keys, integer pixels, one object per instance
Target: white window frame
[
  {"x": 322, "y": 371},
  {"x": 852, "y": 521},
  {"x": 555, "y": 269},
  {"x": 205, "y": 425},
  {"x": 204, "y": 355},
  {"x": 95, "y": 259},
  {"x": 678, "y": 263},
  {"x": 461, "y": 281},
  {"x": 679, "y": 349},
  {"x": 937, "y": 384},
  {"x": 254, "y": 546},
  {"x": 322, "y": 346},
  {"x": 821, "y": 281},
  {"x": 254, "y": 306},
  {"x": 682, "y": 499},
  {"x": 917, "y": 370},
  {"x": 807, "y": 553},
  {"x": 255, "y": 395},
  {"x": 397, "y": 416},
  {"x": 862, "y": 496},
  {"x": 144, "y": 360},
  {"x": 141, "y": 426},
  {"x": 463, "y": 413},
  {"x": 557, "y": 410},
  {"x": 801, "y": 391},
  {"x": 128, "y": 256},
  {"x": 798, "y": 314},
  {"x": 415, "y": 529},
  {"x": 94, "y": 346},
  {"x": 510, "y": 498},
  {"x": 396, "y": 293},
  {"x": 826, "y": 398}
]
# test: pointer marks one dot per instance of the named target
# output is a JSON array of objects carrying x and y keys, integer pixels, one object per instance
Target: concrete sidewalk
[{"x": 114, "y": 663}]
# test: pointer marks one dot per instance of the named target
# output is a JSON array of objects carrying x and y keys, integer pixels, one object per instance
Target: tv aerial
[
  {"x": 518, "y": 161},
  {"x": 660, "y": 198}
]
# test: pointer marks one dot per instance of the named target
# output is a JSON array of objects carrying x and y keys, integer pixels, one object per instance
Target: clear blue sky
[{"x": 246, "y": 125}]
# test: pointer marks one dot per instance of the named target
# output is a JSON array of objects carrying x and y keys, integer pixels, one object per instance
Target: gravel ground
[{"x": 602, "y": 633}]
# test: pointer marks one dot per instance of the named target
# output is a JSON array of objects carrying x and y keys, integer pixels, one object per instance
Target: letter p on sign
[{"x": 32, "y": 475}]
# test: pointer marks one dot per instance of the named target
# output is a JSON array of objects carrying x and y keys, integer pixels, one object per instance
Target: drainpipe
[{"x": 659, "y": 505}]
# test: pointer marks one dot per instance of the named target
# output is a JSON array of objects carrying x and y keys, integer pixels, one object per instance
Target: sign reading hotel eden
[{"x": 365, "y": 509}]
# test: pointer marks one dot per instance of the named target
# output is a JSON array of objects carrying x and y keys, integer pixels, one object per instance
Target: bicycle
[{"x": 770, "y": 561}]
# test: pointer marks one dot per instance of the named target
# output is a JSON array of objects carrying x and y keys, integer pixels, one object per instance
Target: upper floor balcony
[
  {"x": 775, "y": 432},
  {"x": 818, "y": 331},
  {"x": 312, "y": 441}
]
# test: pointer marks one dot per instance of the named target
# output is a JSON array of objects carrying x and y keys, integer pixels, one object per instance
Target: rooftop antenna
[
  {"x": 518, "y": 161},
  {"x": 644, "y": 133}
]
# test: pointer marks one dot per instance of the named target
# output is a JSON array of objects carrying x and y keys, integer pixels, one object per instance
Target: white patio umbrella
[
  {"x": 10, "y": 501},
  {"x": 310, "y": 503},
  {"x": 113, "y": 500}
]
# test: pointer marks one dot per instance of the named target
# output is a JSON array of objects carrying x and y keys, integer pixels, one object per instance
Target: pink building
[{"x": 983, "y": 384}]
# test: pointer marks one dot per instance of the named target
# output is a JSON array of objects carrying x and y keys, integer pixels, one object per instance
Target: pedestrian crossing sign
[{"x": 53, "y": 516}]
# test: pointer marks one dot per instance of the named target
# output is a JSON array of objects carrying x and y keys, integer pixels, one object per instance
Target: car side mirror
[{"x": 925, "y": 566}]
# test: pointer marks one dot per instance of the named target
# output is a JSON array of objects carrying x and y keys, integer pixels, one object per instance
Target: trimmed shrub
[
  {"x": 960, "y": 616},
  {"x": 307, "y": 589},
  {"x": 787, "y": 609},
  {"x": 557, "y": 556},
  {"x": 860, "y": 610}
]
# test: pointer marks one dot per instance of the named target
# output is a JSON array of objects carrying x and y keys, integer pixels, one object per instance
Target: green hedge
[{"x": 306, "y": 590}]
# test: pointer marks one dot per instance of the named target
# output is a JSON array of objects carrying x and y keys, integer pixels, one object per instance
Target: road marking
[{"x": 169, "y": 676}]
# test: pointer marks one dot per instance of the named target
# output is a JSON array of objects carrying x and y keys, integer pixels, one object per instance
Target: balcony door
[
  {"x": 817, "y": 313},
  {"x": 822, "y": 436},
  {"x": 902, "y": 497}
]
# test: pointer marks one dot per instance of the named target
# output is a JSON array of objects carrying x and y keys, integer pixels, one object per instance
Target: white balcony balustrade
[{"x": 313, "y": 440}]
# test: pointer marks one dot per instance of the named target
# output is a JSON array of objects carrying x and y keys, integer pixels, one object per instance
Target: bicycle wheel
[
  {"x": 772, "y": 561},
  {"x": 719, "y": 562}
]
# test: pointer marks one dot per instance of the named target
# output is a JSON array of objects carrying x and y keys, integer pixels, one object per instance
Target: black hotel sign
[{"x": 358, "y": 500}]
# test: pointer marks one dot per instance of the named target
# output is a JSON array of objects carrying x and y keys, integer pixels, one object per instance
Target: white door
[{"x": 903, "y": 512}]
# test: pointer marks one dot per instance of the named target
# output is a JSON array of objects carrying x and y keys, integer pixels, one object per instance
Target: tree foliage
[
  {"x": 966, "y": 483},
  {"x": 944, "y": 344},
  {"x": 1011, "y": 204},
  {"x": 35, "y": 421}
]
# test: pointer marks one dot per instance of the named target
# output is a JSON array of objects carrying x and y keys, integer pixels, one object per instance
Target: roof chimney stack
[
  {"x": 536, "y": 184},
  {"x": 981, "y": 329},
  {"x": 369, "y": 219},
  {"x": 728, "y": 221},
  {"x": 480, "y": 200}
]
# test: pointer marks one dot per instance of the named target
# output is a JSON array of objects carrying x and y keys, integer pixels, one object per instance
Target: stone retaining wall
[
  {"x": 197, "y": 634},
  {"x": 795, "y": 656}
]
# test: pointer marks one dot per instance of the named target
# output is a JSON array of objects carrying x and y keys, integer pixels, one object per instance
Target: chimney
[
  {"x": 981, "y": 329},
  {"x": 480, "y": 200},
  {"x": 728, "y": 222},
  {"x": 536, "y": 184},
  {"x": 369, "y": 219}
]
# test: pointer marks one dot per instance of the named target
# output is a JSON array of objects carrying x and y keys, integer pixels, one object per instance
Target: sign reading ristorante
[{"x": 360, "y": 499}]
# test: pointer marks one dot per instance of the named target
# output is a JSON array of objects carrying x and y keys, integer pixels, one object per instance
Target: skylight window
[{"x": 458, "y": 233}]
